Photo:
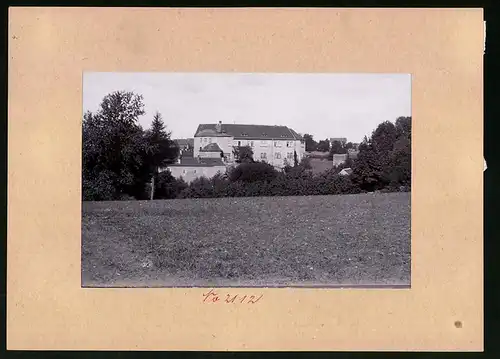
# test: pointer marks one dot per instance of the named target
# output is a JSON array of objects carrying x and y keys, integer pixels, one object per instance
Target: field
[{"x": 350, "y": 240}]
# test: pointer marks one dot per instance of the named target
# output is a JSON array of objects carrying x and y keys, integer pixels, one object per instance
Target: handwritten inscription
[{"x": 213, "y": 296}]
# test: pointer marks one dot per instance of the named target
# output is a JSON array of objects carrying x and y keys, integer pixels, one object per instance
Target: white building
[
  {"x": 189, "y": 168},
  {"x": 272, "y": 144}
]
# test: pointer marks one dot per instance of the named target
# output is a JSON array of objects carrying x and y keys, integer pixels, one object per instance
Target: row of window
[
  {"x": 277, "y": 155},
  {"x": 264, "y": 143}
]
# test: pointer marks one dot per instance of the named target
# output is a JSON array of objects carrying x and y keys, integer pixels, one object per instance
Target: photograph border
[{"x": 47, "y": 309}]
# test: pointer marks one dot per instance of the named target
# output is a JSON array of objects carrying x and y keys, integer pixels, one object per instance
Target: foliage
[
  {"x": 112, "y": 146},
  {"x": 167, "y": 186},
  {"x": 311, "y": 145},
  {"x": 252, "y": 172},
  {"x": 119, "y": 157},
  {"x": 338, "y": 147},
  {"x": 323, "y": 146},
  {"x": 161, "y": 149},
  {"x": 243, "y": 154}
]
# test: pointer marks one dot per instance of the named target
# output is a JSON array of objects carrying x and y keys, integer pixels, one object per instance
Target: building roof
[
  {"x": 211, "y": 147},
  {"x": 255, "y": 132},
  {"x": 187, "y": 160},
  {"x": 184, "y": 142}
]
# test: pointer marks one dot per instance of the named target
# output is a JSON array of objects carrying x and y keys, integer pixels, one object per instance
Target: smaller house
[
  {"x": 212, "y": 150},
  {"x": 346, "y": 172},
  {"x": 190, "y": 168}
]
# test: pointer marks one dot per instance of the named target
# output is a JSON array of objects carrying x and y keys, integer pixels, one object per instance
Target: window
[
  {"x": 210, "y": 140},
  {"x": 278, "y": 155},
  {"x": 251, "y": 143},
  {"x": 263, "y": 155},
  {"x": 239, "y": 143},
  {"x": 194, "y": 171},
  {"x": 184, "y": 171},
  {"x": 289, "y": 155}
]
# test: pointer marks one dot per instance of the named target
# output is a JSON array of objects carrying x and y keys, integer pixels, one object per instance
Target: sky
[{"x": 324, "y": 105}]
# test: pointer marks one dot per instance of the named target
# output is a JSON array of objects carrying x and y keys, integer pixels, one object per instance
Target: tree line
[
  {"x": 119, "y": 157},
  {"x": 121, "y": 161}
]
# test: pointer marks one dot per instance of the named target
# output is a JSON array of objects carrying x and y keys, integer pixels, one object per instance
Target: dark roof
[
  {"x": 187, "y": 160},
  {"x": 256, "y": 132},
  {"x": 211, "y": 147},
  {"x": 185, "y": 141},
  {"x": 187, "y": 153}
]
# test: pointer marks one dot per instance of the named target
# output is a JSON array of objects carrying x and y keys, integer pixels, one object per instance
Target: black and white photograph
[{"x": 246, "y": 180}]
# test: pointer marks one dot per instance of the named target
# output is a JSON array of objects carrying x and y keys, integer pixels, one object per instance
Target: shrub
[
  {"x": 99, "y": 187},
  {"x": 251, "y": 172},
  {"x": 167, "y": 186}
]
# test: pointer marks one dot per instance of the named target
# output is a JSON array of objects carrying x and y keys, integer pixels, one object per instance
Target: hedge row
[{"x": 250, "y": 180}]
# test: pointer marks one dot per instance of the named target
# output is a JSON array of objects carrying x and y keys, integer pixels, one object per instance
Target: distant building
[
  {"x": 271, "y": 144},
  {"x": 212, "y": 148},
  {"x": 345, "y": 172}
]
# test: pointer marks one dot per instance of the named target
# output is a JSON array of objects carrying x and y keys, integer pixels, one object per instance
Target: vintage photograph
[{"x": 246, "y": 180}]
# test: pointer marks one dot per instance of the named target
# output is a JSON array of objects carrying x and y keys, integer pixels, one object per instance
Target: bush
[
  {"x": 252, "y": 172},
  {"x": 99, "y": 187},
  {"x": 167, "y": 186}
]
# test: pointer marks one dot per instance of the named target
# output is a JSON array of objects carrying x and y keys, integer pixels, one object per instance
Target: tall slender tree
[{"x": 161, "y": 150}]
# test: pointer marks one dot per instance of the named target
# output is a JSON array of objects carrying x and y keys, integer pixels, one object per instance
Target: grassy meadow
[{"x": 346, "y": 240}]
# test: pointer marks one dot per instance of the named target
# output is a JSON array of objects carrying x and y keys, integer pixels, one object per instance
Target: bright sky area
[{"x": 324, "y": 105}]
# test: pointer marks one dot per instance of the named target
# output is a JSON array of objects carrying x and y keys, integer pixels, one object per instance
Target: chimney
[{"x": 218, "y": 127}]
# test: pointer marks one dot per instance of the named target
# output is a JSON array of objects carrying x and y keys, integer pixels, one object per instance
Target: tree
[
  {"x": 403, "y": 127},
  {"x": 243, "y": 154},
  {"x": 348, "y": 145},
  {"x": 384, "y": 137},
  {"x": 324, "y": 145},
  {"x": 295, "y": 159},
  {"x": 253, "y": 172},
  {"x": 160, "y": 149},
  {"x": 311, "y": 145},
  {"x": 384, "y": 159},
  {"x": 167, "y": 186},
  {"x": 112, "y": 140}
]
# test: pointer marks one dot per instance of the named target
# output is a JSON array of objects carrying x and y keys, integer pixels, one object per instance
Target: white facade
[
  {"x": 224, "y": 142},
  {"x": 271, "y": 151},
  {"x": 189, "y": 173}
]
